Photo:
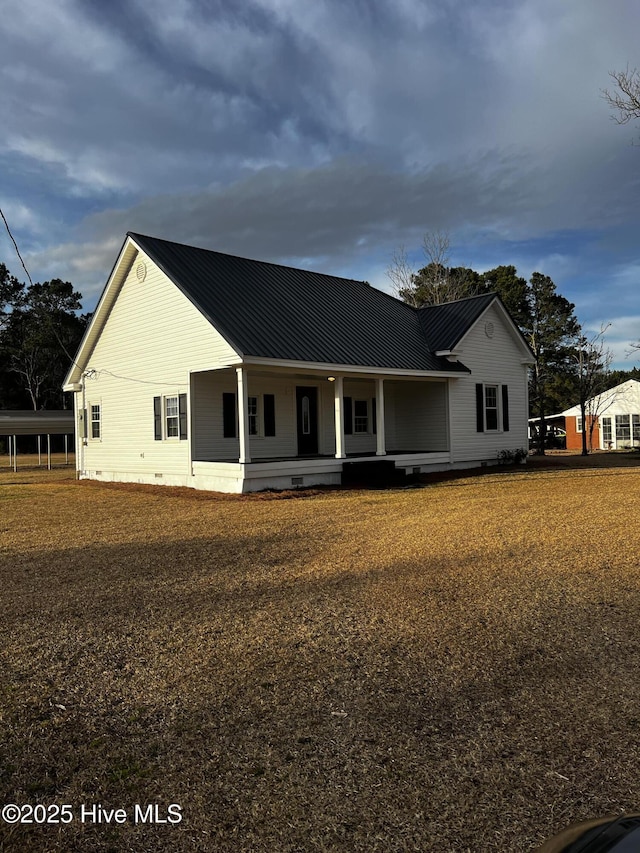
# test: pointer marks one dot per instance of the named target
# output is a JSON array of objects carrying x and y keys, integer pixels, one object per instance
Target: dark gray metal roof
[
  {"x": 272, "y": 311},
  {"x": 27, "y": 422},
  {"x": 444, "y": 325}
]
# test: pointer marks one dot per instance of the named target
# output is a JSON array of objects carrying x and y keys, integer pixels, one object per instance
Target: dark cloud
[{"x": 322, "y": 133}]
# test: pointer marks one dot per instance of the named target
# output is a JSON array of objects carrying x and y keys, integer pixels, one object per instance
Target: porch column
[
  {"x": 243, "y": 414},
  {"x": 381, "y": 448},
  {"x": 339, "y": 417}
]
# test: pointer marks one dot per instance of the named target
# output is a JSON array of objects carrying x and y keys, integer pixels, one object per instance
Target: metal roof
[
  {"x": 444, "y": 325},
  {"x": 268, "y": 310},
  {"x": 21, "y": 422}
]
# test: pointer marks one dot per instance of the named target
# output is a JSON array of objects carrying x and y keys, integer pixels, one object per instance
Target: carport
[{"x": 42, "y": 423}]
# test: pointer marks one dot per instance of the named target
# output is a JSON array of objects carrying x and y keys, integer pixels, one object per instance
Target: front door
[{"x": 307, "y": 417}]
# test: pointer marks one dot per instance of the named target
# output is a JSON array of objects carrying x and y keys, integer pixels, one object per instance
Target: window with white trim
[
  {"x": 623, "y": 428},
  {"x": 252, "y": 414},
  {"x": 361, "y": 416},
  {"x": 607, "y": 436},
  {"x": 635, "y": 425},
  {"x": 96, "y": 421},
  {"x": 491, "y": 408},
  {"x": 578, "y": 423},
  {"x": 172, "y": 417}
]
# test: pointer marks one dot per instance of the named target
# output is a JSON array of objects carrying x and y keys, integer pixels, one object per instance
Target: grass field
[{"x": 452, "y": 668}]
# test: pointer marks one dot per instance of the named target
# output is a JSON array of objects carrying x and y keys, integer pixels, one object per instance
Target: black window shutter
[
  {"x": 157, "y": 418},
  {"x": 348, "y": 416},
  {"x": 374, "y": 416},
  {"x": 479, "y": 407},
  {"x": 269, "y": 414},
  {"x": 229, "y": 415},
  {"x": 182, "y": 411},
  {"x": 505, "y": 408}
]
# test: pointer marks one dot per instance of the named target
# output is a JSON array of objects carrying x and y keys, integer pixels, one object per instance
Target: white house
[
  {"x": 616, "y": 416},
  {"x": 217, "y": 372}
]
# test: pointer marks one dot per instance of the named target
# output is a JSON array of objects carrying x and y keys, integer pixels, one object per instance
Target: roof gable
[
  {"x": 444, "y": 325},
  {"x": 620, "y": 399},
  {"x": 447, "y": 324}
]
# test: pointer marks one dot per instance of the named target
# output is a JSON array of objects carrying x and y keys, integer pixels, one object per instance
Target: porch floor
[{"x": 368, "y": 455}]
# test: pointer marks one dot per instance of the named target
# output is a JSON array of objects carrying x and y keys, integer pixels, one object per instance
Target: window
[
  {"x": 172, "y": 417},
  {"x": 607, "y": 437},
  {"x": 360, "y": 416},
  {"x": 261, "y": 413},
  {"x": 635, "y": 420},
  {"x": 306, "y": 415},
  {"x": 578, "y": 423},
  {"x": 623, "y": 428},
  {"x": 95, "y": 421},
  {"x": 252, "y": 413},
  {"x": 491, "y": 407}
]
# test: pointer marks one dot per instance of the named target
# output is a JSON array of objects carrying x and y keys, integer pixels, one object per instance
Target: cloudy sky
[{"x": 325, "y": 135}]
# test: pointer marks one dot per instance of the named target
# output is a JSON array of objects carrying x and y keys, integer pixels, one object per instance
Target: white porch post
[
  {"x": 381, "y": 447},
  {"x": 339, "y": 417},
  {"x": 243, "y": 414}
]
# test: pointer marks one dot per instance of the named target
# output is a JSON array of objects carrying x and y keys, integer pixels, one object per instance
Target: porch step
[{"x": 379, "y": 473}]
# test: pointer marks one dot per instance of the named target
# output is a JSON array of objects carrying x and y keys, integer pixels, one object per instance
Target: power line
[{"x": 24, "y": 266}]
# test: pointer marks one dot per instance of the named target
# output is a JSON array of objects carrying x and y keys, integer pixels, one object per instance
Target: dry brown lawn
[{"x": 452, "y": 668}]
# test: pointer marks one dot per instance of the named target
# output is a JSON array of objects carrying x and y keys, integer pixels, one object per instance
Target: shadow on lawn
[{"x": 329, "y": 723}]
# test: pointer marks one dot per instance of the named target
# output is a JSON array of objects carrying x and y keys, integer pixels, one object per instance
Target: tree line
[
  {"x": 40, "y": 331},
  {"x": 569, "y": 367}
]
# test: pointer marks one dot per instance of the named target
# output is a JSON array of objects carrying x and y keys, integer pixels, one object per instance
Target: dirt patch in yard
[{"x": 451, "y": 668}]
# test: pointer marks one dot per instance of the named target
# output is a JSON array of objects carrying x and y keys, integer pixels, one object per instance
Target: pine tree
[{"x": 551, "y": 329}]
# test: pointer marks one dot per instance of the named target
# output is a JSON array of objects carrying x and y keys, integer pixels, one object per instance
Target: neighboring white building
[
  {"x": 617, "y": 414},
  {"x": 207, "y": 370}
]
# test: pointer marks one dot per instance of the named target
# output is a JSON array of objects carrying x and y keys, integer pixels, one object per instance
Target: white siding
[
  {"x": 360, "y": 442},
  {"x": 493, "y": 360},
  {"x": 209, "y": 442},
  {"x": 152, "y": 338},
  {"x": 418, "y": 415}
]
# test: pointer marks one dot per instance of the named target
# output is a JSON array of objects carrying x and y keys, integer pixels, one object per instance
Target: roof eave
[
  {"x": 118, "y": 273},
  {"x": 369, "y": 370},
  {"x": 148, "y": 251}
]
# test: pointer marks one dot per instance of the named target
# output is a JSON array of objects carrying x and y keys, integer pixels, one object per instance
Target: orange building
[{"x": 574, "y": 429}]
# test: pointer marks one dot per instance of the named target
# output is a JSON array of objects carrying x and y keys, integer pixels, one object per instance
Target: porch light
[{"x": 331, "y": 378}]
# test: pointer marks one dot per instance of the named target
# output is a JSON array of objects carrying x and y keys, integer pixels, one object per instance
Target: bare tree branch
[
  {"x": 436, "y": 246},
  {"x": 626, "y": 99},
  {"x": 402, "y": 275},
  {"x": 436, "y": 282},
  {"x": 593, "y": 362}
]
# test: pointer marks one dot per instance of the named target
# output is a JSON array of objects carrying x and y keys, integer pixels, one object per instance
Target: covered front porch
[{"x": 254, "y": 428}]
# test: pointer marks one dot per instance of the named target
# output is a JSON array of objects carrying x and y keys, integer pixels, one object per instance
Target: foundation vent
[{"x": 297, "y": 481}]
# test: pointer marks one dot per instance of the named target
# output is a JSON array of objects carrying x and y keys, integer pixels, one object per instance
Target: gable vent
[{"x": 141, "y": 271}]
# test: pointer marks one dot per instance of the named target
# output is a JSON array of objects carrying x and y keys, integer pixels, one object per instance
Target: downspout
[{"x": 81, "y": 437}]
